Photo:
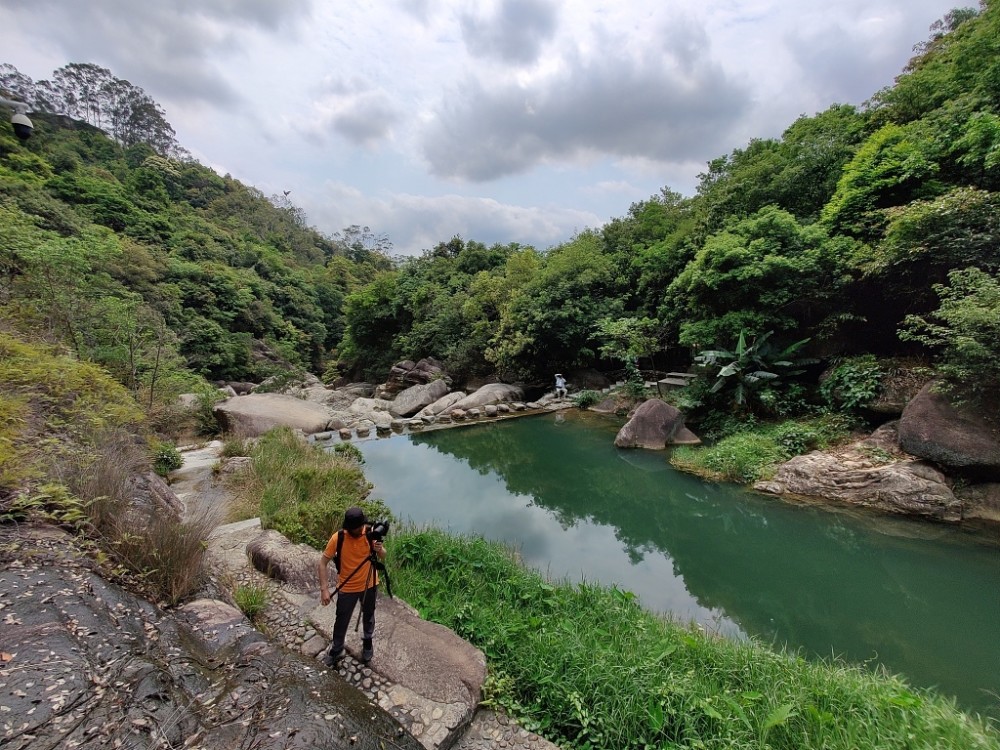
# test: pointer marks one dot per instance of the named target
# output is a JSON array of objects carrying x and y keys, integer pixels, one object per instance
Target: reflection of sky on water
[
  {"x": 916, "y": 597},
  {"x": 411, "y": 479}
]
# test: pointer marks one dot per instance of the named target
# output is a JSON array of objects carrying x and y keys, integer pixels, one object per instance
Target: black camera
[{"x": 377, "y": 531}]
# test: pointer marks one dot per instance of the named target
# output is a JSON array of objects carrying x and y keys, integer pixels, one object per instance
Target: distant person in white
[{"x": 560, "y": 386}]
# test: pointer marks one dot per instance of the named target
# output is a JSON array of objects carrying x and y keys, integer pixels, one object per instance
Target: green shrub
[
  {"x": 350, "y": 451},
  {"x": 743, "y": 458},
  {"x": 965, "y": 331},
  {"x": 302, "y": 490},
  {"x": 166, "y": 458},
  {"x": 204, "y": 410},
  {"x": 586, "y": 399},
  {"x": 233, "y": 447},
  {"x": 252, "y": 599},
  {"x": 795, "y": 438},
  {"x": 853, "y": 383},
  {"x": 51, "y": 503}
]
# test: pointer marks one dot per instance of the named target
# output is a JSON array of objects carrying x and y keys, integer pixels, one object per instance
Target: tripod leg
[{"x": 369, "y": 586}]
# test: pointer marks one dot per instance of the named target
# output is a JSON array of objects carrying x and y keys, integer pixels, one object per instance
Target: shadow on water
[{"x": 921, "y": 599}]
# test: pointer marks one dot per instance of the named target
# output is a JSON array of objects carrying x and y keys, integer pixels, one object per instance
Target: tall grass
[
  {"x": 302, "y": 490},
  {"x": 153, "y": 547},
  {"x": 587, "y": 667}
]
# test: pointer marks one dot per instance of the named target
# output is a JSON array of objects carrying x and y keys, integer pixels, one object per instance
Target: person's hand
[
  {"x": 379, "y": 548},
  {"x": 324, "y": 597}
]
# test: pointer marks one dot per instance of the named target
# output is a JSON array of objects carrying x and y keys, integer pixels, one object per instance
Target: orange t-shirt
[{"x": 353, "y": 553}]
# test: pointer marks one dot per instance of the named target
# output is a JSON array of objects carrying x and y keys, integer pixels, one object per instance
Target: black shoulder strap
[{"x": 340, "y": 546}]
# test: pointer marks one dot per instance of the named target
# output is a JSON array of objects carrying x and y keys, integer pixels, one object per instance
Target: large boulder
[
  {"x": 362, "y": 407},
  {"x": 898, "y": 389},
  {"x": 256, "y": 413},
  {"x": 907, "y": 487},
  {"x": 443, "y": 404},
  {"x": 416, "y": 397},
  {"x": 980, "y": 502},
  {"x": 274, "y": 555},
  {"x": 959, "y": 438},
  {"x": 655, "y": 424},
  {"x": 408, "y": 373},
  {"x": 491, "y": 393}
]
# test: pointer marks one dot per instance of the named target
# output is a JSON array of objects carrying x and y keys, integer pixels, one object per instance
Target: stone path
[{"x": 287, "y": 619}]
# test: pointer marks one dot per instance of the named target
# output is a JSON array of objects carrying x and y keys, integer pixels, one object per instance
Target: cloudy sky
[{"x": 495, "y": 120}]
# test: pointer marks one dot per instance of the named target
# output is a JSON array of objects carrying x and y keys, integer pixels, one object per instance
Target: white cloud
[{"x": 502, "y": 120}]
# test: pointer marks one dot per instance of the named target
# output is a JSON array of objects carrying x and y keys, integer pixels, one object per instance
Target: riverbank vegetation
[
  {"x": 300, "y": 489},
  {"x": 76, "y": 443},
  {"x": 587, "y": 667},
  {"x": 754, "y": 451}
]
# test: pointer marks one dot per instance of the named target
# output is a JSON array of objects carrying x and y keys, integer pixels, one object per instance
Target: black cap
[{"x": 354, "y": 518}]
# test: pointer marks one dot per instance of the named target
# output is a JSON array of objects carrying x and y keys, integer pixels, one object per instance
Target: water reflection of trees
[{"x": 817, "y": 580}]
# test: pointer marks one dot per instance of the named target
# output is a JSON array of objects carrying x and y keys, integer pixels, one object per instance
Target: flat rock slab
[{"x": 257, "y": 413}]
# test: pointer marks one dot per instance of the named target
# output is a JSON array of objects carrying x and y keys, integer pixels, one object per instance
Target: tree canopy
[{"x": 852, "y": 222}]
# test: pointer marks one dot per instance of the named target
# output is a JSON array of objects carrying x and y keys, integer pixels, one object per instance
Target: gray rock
[
  {"x": 407, "y": 373},
  {"x": 980, "y": 502},
  {"x": 654, "y": 425},
  {"x": 905, "y": 487},
  {"x": 103, "y": 665},
  {"x": 416, "y": 397},
  {"x": 275, "y": 556},
  {"x": 491, "y": 393},
  {"x": 242, "y": 388},
  {"x": 956, "y": 437},
  {"x": 189, "y": 400},
  {"x": 444, "y": 403},
  {"x": 365, "y": 406},
  {"x": 257, "y": 413}
]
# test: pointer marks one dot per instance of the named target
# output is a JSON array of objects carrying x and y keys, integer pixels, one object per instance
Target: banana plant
[{"x": 750, "y": 366}]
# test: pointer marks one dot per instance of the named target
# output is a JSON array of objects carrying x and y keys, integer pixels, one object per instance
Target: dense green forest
[{"x": 861, "y": 232}]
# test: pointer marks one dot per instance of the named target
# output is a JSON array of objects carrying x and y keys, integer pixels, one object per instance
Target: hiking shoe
[
  {"x": 332, "y": 659},
  {"x": 367, "y": 652}
]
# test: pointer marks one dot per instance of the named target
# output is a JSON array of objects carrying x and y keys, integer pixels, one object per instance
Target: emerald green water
[{"x": 921, "y": 599}]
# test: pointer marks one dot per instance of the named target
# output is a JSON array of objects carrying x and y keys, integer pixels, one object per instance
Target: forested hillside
[
  {"x": 867, "y": 230},
  {"x": 860, "y": 231},
  {"x": 154, "y": 266}
]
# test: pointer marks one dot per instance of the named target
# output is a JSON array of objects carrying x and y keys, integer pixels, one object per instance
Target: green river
[{"x": 921, "y": 599}]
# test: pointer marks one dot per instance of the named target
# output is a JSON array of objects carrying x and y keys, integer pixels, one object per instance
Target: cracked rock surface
[{"x": 86, "y": 664}]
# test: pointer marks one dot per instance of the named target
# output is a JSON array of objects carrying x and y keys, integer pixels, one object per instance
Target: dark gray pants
[{"x": 345, "y": 608}]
